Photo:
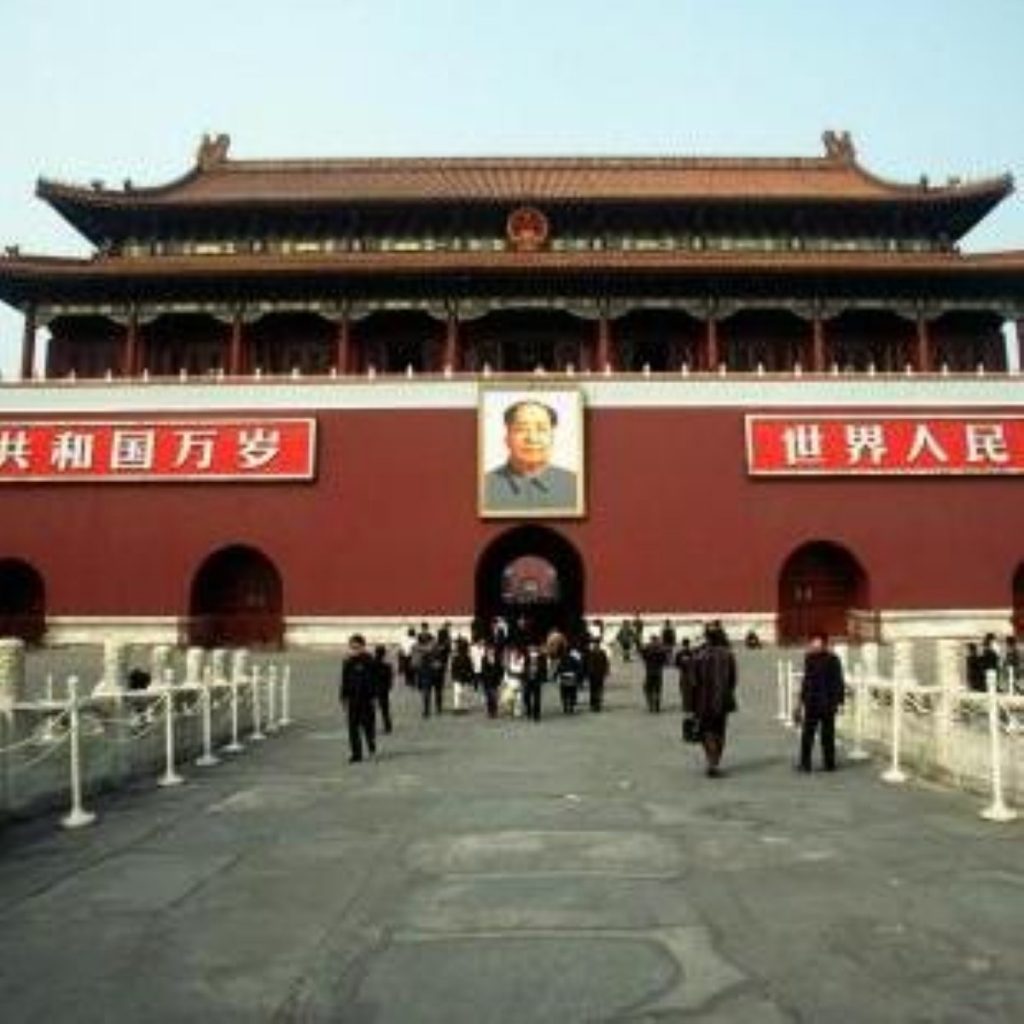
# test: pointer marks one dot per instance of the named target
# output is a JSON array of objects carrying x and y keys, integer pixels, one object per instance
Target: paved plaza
[{"x": 582, "y": 869}]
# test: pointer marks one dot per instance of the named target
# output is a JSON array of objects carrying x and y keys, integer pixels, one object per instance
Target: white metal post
[
  {"x": 207, "y": 759},
  {"x": 286, "y": 697},
  {"x": 895, "y": 774},
  {"x": 860, "y": 696},
  {"x": 790, "y": 695},
  {"x": 235, "y": 746},
  {"x": 170, "y": 777},
  {"x": 780, "y": 689},
  {"x": 257, "y": 725},
  {"x": 997, "y": 810},
  {"x": 272, "y": 725},
  {"x": 77, "y": 816}
]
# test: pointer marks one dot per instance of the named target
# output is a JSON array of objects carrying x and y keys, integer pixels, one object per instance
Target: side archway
[
  {"x": 22, "y": 601},
  {"x": 533, "y": 578},
  {"x": 237, "y": 600},
  {"x": 820, "y": 583}
]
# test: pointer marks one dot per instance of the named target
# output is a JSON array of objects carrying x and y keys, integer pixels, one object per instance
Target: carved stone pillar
[
  {"x": 605, "y": 356},
  {"x": 711, "y": 345},
  {"x": 923, "y": 358},
  {"x": 342, "y": 346},
  {"x": 28, "y": 344}
]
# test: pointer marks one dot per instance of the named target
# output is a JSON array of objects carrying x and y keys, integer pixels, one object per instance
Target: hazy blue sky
[{"x": 125, "y": 88}]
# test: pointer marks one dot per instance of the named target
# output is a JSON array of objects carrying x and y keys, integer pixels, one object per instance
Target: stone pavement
[{"x": 578, "y": 870}]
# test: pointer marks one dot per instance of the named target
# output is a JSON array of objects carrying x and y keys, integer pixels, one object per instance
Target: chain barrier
[
  {"x": 101, "y": 716},
  {"x": 986, "y": 719}
]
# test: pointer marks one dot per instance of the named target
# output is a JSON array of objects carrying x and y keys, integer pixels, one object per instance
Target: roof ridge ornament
[
  {"x": 839, "y": 147},
  {"x": 213, "y": 151}
]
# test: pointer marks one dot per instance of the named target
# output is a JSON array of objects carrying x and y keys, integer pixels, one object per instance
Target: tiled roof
[{"x": 216, "y": 179}]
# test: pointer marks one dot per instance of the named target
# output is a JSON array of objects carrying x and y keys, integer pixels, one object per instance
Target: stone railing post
[
  {"x": 194, "y": 658},
  {"x": 947, "y": 662},
  {"x": 12, "y": 673},
  {"x": 115, "y": 664}
]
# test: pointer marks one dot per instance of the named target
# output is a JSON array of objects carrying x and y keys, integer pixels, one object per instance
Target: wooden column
[
  {"x": 605, "y": 356},
  {"x": 235, "y": 347},
  {"x": 711, "y": 345},
  {"x": 342, "y": 346},
  {"x": 818, "y": 345},
  {"x": 28, "y": 344},
  {"x": 130, "y": 353},
  {"x": 451, "y": 344},
  {"x": 923, "y": 359}
]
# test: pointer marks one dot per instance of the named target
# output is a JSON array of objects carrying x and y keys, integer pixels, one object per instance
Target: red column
[
  {"x": 451, "y": 344},
  {"x": 818, "y": 345},
  {"x": 129, "y": 356},
  {"x": 605, "y": 356},
  {"x": 235, "y": 347},
  {"x": 711, "y": 345},
  {"x": 923, "y": 358},
  {"x": 342, "y": 346},
  {"x": 28, "y": 344}
]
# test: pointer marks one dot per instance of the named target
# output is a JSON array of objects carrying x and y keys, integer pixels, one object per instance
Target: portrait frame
[{"x": 558, "y": 494}]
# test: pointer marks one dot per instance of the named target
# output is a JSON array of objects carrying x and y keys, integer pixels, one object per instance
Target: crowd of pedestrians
[
  {"x": 508, "y": 668},
  {"x": 987, "y": 657}
]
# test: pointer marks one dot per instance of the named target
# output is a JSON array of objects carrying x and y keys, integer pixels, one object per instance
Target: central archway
[
  {"x": 534, "y": 578},
  {"x": 237, "y": 601},
  {"x": 819, "y": 585}
]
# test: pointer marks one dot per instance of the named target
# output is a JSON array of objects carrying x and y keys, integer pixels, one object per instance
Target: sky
[{"x": 116, "y": 89}]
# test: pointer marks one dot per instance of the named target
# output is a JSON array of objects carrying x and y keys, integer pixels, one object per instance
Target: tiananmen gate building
[{"x": 277, "y": 402}]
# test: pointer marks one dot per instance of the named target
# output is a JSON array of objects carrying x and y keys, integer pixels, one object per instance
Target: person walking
[
  {"x": 713, "y": 697},
  {"x": 383, "y": 678},
  {"x": 654, "y": 657},
  {"x": 568, "y": 670},
  {"x": 685, "y": 661},
  {"x": 596, "y": 668},
  {"x": 357, "y": 697},
  {"x": 491, "y": 673},
  {"x": 822, "y": 692},
  {"x": 534, "y": 677},
  {"x": 462, "y": 675}
]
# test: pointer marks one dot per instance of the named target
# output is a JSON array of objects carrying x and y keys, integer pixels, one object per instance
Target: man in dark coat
[
  {"x": 383, "y": 678},
  {"x": 357, "y": 694},
  {"x": 654, "y": 658},
  {"x": 712, "y": 697},
  {"x": 596, "y": 668},
  {"x": 822, "y": 692}
]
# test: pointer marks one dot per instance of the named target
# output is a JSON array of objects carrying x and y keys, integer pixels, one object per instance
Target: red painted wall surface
[{"x": 390, "y": 526}]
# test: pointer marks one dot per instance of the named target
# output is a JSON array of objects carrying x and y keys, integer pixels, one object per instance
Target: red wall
[{"x": 390, "y": 525}]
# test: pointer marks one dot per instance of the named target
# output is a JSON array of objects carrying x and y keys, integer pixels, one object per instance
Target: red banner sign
[
  {"x": 208, "y": 449},
  {"x": 884, "y": 445}
]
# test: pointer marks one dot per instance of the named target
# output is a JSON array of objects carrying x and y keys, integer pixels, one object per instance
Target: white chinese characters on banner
[
  {"x": 879, "y": 445},
  {"x": 88, "y": 450}
]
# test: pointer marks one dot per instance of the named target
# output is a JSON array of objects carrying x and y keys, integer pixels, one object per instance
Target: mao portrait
[{"x": 531, "y": 453}]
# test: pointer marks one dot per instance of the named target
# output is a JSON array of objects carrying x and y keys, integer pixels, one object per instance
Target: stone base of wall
[{"x": 334, "y": 631}]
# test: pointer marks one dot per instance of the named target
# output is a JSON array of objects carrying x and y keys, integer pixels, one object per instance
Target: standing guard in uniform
[{"x": 357, "y": 693}]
